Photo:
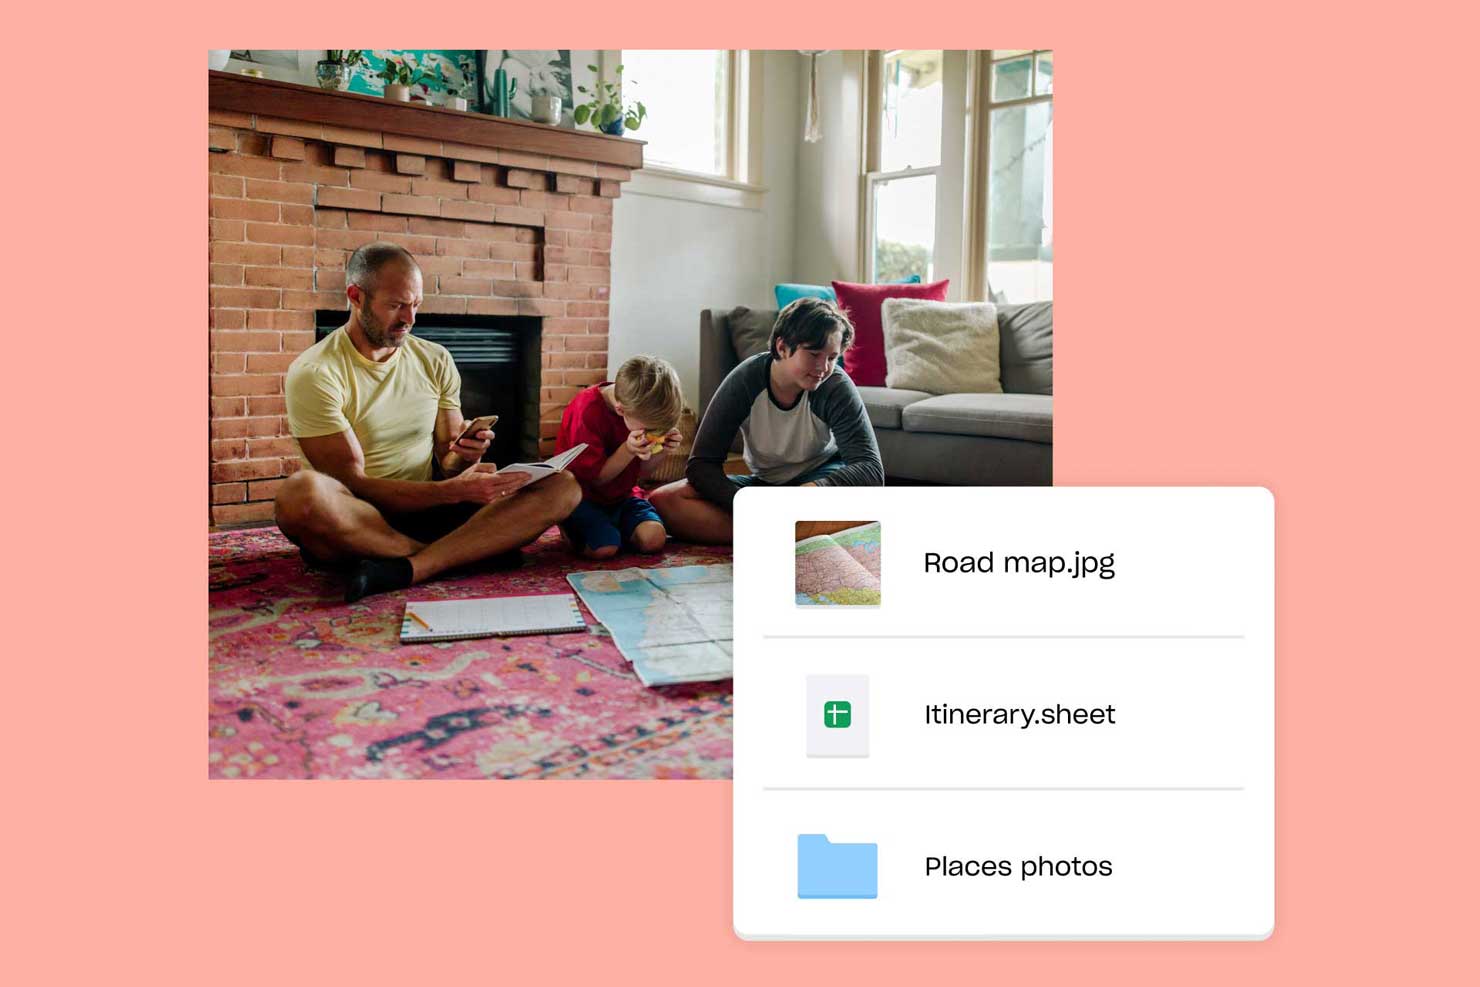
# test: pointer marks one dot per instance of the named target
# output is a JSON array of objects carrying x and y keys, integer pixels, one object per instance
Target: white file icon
[{"x": 837, "y": 716}]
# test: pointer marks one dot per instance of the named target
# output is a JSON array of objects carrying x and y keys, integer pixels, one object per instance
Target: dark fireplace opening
[{"x": 498, "y": 358}]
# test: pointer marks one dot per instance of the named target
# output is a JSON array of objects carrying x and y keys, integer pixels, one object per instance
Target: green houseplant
[
  {"x": 459, "y": 93},
  {"x": 334, "y": 69},
  {"x": 604, "y": 109},
  {"x": 454, "y": 98},
  {"x": 400, "y": 73}
]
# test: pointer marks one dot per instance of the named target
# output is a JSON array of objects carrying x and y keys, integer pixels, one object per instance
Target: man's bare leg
[
  {"x": 332, "y": 524},
  {"x": 502, "y": 526},
  {"x": 689, "y": 517}
]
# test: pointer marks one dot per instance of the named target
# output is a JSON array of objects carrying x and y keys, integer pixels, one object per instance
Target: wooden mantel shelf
[{"x": 267, "y": 97}]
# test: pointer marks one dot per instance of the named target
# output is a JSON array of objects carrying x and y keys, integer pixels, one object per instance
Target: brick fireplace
[{"x": 506, "y": 218}]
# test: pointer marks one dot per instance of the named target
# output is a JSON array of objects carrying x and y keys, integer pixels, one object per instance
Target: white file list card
[{"x": 1004, "y": 713}]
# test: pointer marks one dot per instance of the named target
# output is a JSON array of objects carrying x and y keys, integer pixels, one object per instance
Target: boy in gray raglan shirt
[{"x": 801, "y": 418}]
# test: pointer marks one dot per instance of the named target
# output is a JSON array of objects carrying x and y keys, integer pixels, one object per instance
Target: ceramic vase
[
  {"x": 332, "y": 75},
  {"x": 545, "y": 108}
]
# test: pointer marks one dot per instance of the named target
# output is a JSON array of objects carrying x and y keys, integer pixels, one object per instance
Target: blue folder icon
[{"x": 836, "y": 870}]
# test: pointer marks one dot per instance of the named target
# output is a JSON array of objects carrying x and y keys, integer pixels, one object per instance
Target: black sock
[{"x": 377, "y": 576}]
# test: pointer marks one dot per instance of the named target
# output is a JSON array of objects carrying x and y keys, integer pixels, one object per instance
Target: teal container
[{"x": 501, "y": 107}]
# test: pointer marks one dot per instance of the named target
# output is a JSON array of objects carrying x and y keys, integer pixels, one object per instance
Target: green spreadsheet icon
[{"x": 837, "y": 713}]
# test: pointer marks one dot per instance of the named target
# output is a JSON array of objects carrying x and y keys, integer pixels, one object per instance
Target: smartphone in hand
[{"x": 475, "y": 426}]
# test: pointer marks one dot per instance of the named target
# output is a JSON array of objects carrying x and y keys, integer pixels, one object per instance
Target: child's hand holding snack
[
  {"x": 658, "y": 441},
  {"x": 638, "y": 444}
]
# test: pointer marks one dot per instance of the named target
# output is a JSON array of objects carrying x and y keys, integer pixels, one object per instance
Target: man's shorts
[
  {"x": 815, "y": 473},
  {"x": 597, "y": 525},
  {"x": 425, "y": 526},
  {"x": 431, "y": 523}
]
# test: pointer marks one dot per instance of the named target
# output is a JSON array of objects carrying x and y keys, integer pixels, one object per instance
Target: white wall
[
  {"x": 827, "y": 217},
  {"x": 671, "y": 258}
]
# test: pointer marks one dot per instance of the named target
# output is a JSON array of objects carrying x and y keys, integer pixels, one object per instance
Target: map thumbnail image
[{"x": 839, "y": 568}]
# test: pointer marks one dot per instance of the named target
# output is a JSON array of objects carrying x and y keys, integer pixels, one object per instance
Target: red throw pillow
[{"x": 864, "y": 360}]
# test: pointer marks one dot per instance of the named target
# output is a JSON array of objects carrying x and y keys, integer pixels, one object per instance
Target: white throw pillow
[{"x": 942, "y": 347}]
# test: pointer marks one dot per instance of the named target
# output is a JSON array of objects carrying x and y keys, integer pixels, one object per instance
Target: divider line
[
  {"x": 1002, "y": 788},
  {"x": 1003, "y": 637}
]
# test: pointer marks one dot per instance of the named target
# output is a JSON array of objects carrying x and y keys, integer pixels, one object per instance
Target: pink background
[{"x": 1264, "y": 224}]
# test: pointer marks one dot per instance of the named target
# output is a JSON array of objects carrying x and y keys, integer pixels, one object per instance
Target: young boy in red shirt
[{"x": 624, "y": 423}]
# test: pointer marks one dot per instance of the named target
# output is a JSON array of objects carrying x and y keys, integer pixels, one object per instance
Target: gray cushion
[
  {"x": 964, "y": 460},
  {"x": 884, "y": 404},
  {"x": 1027, "y": 347},
  {"x": 750, "y": 330},
  {"x": 1005, "y": 416}
]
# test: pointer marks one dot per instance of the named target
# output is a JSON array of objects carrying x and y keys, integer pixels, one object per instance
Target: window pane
[
  {"x": 1020, "y": 220},
  {"x": 912, "y": 110},
  {"x": 1044, "y": 84},
  {"x": 904, "y": 228},
  {"x": 687, "y": 101},
  {"x": 1012, "y": 80}
]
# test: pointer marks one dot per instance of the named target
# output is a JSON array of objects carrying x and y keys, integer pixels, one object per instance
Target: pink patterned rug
[{"x": 303, "y": 685}]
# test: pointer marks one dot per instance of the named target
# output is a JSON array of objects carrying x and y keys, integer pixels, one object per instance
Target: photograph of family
[{"x": 483, "y": 388}]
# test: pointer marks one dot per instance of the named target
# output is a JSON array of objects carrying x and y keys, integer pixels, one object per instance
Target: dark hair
[
  {"x": 808, "y": 322},
  {"x": 363, "y": 266}
]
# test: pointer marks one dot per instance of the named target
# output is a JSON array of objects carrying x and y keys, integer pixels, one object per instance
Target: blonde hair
[{"x": 647, "y": 388}]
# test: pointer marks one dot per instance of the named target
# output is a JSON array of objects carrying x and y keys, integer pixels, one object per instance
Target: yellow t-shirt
[{"x": 391, "y": 406}]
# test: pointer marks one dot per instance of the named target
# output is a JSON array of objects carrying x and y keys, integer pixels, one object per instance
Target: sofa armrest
[{"x": 716, "y": 353}]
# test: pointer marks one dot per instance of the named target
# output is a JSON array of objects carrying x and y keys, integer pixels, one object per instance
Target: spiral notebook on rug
[{"x": 502, "y": 616}]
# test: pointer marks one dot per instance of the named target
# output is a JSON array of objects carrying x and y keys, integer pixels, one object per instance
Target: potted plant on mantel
[
  {"x": 604, "y": 109},
  {"x": 454, "y": 98},
  {"x": 333, "y": 71},
  {"x": 400, "y": 73}
]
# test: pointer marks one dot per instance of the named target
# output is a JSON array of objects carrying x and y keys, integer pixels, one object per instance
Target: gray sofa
[{"x": 965, "y": 439}]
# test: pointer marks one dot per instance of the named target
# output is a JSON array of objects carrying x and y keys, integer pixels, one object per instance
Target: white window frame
[
  {"x": 978, "y": 242},
  {"x": 740, "y": 186},
  {"x": 945, "y": 252},
  {"x": 872, "y": 180}
]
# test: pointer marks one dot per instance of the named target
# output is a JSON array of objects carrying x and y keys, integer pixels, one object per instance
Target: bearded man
[{"x": 394, "y": 493}]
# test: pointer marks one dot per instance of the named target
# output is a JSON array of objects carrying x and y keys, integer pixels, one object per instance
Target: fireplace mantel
[{"x": 243, "y": 94}]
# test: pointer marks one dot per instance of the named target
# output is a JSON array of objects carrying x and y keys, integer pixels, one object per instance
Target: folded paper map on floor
[
  {"x": 673, "y": 625},
  {"x": 840, "y": 569}
]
